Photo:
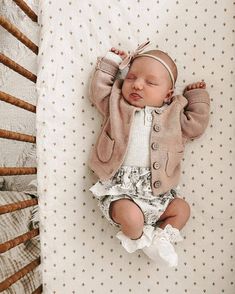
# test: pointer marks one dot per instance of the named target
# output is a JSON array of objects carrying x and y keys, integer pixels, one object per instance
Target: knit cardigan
[{"x": 185, "y": 118}]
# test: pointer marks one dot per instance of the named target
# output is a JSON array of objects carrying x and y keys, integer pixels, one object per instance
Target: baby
[{"x": 138, "y": 152}]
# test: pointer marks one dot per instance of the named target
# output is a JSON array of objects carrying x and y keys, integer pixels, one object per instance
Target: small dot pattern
[{"x": 80, "y": 253}]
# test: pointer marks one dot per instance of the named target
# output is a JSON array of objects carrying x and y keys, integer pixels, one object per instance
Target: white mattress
[{"x": 80, "y": 253}]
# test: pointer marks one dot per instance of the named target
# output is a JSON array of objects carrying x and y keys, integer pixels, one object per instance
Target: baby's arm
[
  {"x": 103, "y": 79},
  {"x": 195, "y": 116}
]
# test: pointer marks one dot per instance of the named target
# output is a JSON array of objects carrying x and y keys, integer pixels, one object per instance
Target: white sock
[
  {"x": 162, "y": 245},
  {"x": 132, "y": 245}
]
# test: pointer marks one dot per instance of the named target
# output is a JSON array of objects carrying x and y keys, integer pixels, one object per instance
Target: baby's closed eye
[
  {"x": 154, "y": 83},
  {"x": 130, "y": 77}
]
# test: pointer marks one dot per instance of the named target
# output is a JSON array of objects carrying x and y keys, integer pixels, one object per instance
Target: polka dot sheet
[{"x": 80, "y": 253}]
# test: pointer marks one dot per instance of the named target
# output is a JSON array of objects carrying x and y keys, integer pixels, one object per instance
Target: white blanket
[{"x": 80, "y": 253}]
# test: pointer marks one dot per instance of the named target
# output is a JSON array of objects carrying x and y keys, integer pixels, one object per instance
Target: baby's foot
[
  {"x": 133, "y": 245},
  {"x": 162, "y": 250},
  {"x": 162, "y": 245},
  {"x": 197, "y": 85}
]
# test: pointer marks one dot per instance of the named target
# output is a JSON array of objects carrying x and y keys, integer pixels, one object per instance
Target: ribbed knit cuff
[
  {"x": 114, "y": 57},
  {"x": 197, "y": 96},
  {"x": 106, "y": 65}
]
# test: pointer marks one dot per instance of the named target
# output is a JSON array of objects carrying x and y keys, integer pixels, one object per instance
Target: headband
[{"x": 137, "y": 53}]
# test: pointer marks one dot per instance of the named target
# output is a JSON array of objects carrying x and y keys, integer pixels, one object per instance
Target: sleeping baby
[{"x": 138, "y": 152}]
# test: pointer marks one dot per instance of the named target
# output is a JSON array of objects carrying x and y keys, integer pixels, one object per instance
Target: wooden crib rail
[
  {"x": 6, "y": 24},
  {"x": 17, "y": 136},
  {"x": 17, "y": 68},
  {"x": 18, "y": 275},
  {"x": 38, "y": 290},
  {"x": 27, "y": 10},
  {"x": 17, "y": 102},
  {"x": 7, "y": 134},
  {"x": 18, "y": 240},
  {"x": 18, "y": 205},
  {"x": 13, "y": 171}
]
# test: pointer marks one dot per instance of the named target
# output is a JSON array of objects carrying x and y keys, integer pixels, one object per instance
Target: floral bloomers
[{"x": 133, "y": 183}]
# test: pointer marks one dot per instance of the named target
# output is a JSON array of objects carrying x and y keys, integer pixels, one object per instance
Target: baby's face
[{"x": 147, "y": 83}]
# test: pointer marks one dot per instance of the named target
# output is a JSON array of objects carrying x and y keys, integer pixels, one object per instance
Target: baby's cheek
[{"x": 124, "y": 90}]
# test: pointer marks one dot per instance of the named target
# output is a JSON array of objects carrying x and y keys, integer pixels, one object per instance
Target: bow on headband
[{"x": 126, "y": 61}]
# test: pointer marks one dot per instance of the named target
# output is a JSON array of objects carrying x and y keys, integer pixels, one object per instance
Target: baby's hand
[
  {"x": 198, "y": 85},
  {"x": 121, "y": 53}
]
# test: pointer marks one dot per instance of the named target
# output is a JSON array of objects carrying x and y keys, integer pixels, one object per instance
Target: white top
[{"x": 138, "y": 150}]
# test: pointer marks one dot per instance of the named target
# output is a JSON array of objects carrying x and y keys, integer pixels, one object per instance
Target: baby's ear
[{"x": 169, "y": 96}]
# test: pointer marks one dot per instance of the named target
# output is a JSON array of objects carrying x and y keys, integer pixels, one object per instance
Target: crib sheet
[{"x": 80, "y": 253}]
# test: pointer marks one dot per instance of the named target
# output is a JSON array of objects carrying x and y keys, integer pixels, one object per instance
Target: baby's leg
[
  {"x": 130, "y": 217},
  {"x": 172, "y": 220},
  {"x": 176, "y": 214}
]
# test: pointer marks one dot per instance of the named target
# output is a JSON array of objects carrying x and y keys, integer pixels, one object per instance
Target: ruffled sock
[
  {"x": 162, "y": 245},
  {"x": 132, "y": 245}
]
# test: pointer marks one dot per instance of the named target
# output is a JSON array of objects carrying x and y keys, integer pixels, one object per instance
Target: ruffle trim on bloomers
[{"x": 129, "y": 180}]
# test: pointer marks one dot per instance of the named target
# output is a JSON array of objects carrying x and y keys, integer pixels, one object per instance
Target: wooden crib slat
[
  {"x": 38, "y": 290},
  {"x": 18, "y": 275},
  {"x": 12, "y": 171},
  {"x": 17, "y": 136},
  {"x": 18, "y": 205},
  {"x": 18, "y": 240},
  {"x": 17, "y": 102},
  {"x": 18, "y": 68},
  {"x": 18, "y": 34},
  {"x": 27, "y": 10}
]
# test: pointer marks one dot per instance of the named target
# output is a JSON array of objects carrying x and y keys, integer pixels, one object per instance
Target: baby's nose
[{"x": 138, "y": 84}]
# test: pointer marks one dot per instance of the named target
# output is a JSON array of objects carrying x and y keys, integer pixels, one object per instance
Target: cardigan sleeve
[
  {"x": 195, "y": 116},
  {"x": 102, "y": 82}
]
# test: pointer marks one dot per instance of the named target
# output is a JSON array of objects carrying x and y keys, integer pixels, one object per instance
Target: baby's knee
[
  {"x": 134, "y": 219},
  {"x": 133, "y": 223},
  {"x": 127, "y": 214},
  {"x": 184, "y": 208}
]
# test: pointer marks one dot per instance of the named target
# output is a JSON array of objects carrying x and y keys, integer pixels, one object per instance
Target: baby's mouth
[{"x": 135, "y": 96}]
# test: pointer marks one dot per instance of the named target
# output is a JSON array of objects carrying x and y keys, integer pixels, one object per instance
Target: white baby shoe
[
  {"x": 161, "y": 245},
  {"x": 133, "y": 245}
]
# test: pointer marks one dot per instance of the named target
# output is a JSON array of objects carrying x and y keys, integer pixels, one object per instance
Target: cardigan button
[
  {"x": 156, "y": 165},
  {"x": 155, "y": 146},
  {"x": 157, "y": 184},
  {"x": 156, "y": 128}
]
